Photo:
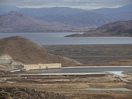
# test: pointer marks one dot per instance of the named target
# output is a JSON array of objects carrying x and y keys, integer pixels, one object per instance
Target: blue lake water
[{"x": 57, "y": 38}]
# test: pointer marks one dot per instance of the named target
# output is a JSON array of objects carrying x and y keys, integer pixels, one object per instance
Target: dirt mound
[
  {"x": 24, "y": 50},
  {"x": 25, "y": 93}
]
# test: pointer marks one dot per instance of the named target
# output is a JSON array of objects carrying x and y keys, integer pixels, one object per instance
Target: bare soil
[{"x": 70, "y": 86}]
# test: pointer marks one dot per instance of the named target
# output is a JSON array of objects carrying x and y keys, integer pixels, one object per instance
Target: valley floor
[
  {"x": 95, "y": 55},
  {"x": 72, "y": 87}
]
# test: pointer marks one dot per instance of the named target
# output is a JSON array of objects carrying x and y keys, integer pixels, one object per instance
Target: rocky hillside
[
  {"x": 26, "y": 93},
  {"x": 16, "y": 22},
  {"x": 120, "y": 28},
  {"x": 25, "y": 51}
]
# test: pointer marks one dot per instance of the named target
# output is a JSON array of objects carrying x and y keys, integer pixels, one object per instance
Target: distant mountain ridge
[
  {"x": 121, "y": 13},
  {"x": 40, "y": 12},
  {"x": 85, "y": 19},
  {"x": 109, "y": 11},
  {"x": 16, "y": 22},
  {"x": 71, "y": 16},
  {"x": 62, "y": 18},
  {"x": 120, "y": 28}
]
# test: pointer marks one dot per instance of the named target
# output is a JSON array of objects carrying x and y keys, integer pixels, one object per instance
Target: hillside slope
[
  {"x": 25, "y": 51},
  {"x": 120, "y": 28},
  {"x": 16, "y": 22}
]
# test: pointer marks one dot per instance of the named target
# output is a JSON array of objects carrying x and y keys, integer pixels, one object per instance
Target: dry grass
[{"x": 71, "y": 86}]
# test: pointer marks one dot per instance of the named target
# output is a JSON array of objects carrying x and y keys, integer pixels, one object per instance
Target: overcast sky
[{"x": 84, "y": 4}]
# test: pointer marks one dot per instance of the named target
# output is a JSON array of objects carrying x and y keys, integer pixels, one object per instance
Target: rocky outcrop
[
  {"x": 5, "y": 59},
  {"x": 8, "y": 61}
]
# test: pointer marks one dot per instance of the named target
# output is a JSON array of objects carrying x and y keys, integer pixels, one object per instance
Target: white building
[{"x": 42, "y": 66}]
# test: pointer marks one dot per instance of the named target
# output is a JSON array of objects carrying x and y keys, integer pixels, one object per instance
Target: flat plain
[
  {"x": 68, "y": 87},
  {"x": 91, "y": 55}
]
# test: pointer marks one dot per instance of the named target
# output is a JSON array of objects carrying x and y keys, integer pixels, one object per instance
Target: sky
[{"x": 83, "y": 4}]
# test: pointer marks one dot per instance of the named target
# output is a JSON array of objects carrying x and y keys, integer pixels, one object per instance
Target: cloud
[{"x": 85, "y": 4}]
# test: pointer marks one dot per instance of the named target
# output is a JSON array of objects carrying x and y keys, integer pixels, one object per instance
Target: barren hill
[
  {"x": 16, "y": 22},
  {"x": 120, "y": 28},
  {"x": 25, "y": 51}
]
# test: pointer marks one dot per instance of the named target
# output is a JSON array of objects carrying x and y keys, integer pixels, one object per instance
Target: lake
[{"x": 57, "y": 38}]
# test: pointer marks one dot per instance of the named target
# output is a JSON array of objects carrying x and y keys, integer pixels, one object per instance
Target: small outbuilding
[{"x": 42, "y": 66}]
